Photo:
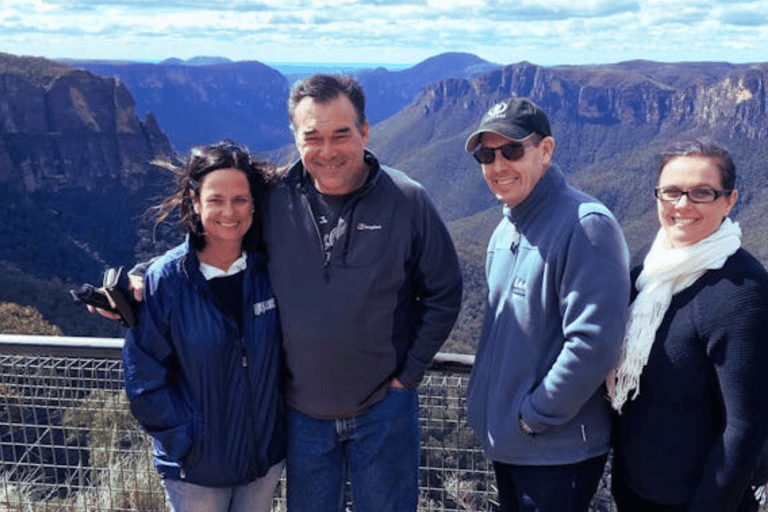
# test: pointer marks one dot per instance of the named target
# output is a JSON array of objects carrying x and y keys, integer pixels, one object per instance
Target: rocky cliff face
[
  {"x": 65, "y": 128},
  {"x": 739, "y": 100},
  {"x": 614, "y": 95},
  {"x": 245, "y": 101},
  {"x": 75, "y": 171}
]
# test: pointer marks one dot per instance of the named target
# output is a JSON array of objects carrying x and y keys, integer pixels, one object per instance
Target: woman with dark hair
[
  {"x": 202, "y": 369},
  {"x": 691, "y": 387}
]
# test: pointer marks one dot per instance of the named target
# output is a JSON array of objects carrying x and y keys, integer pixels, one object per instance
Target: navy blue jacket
[{"x": 208, "y": 394}]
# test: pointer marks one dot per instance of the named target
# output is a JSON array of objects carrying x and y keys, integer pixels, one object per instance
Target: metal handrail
[{"x": 62, "y": 346}]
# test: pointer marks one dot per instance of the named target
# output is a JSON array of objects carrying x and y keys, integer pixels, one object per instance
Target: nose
[
  {"x": 325, "y": 148},
  {"x": 497, "y": 163},
  {"x": 683, "y": 201}
]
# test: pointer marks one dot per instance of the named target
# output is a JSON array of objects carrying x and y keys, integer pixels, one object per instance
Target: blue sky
[{"x": 545, "y": 32}]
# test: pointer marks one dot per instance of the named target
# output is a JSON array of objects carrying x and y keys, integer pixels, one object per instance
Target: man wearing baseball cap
[{"x": 557, "y": 270}]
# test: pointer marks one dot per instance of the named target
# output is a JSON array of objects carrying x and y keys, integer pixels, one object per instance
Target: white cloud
[
  {"x": 541, "y": 31},
  {"x": 42, "y": 6}
]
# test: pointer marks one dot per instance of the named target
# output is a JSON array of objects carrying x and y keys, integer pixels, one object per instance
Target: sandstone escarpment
[{"x": 69, "y": 128}]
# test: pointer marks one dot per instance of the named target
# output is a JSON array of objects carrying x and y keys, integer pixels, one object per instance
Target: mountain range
[
  {"x": 206, "y": 99},
  {"x": 74, "y": 155}
]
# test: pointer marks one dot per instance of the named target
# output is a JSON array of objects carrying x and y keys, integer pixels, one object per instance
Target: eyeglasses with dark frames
[
  {"x": 695, "y": 195},
  {"x": 511, "y": 151}
]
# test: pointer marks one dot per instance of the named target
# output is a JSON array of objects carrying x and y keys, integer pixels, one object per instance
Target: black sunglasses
[{"x": 511, "y": 151}]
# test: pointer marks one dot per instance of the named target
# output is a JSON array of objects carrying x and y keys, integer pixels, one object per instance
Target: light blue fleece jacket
[{"x": 558, "y": 279}]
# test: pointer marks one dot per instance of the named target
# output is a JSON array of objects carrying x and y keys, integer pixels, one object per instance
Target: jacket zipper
[{"x": 317, "y": 232}]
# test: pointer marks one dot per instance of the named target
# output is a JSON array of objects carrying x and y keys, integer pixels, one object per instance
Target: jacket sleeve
[
  {"x": 592, "y": 281},
  {"x": 140, "y": 269},
  {"x": 153, "y": 391},
  {"x": 738, "y": 347},
  {"x": 437, "y": 286}
]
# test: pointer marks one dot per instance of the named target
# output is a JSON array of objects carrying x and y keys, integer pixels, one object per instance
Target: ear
[
  {"x": 195, "y": 202},
  {"x": 547, "y": 146},
  {"x": 296, "y": 141},
  {"x": 364, "y": 130},
  {"x": 731, "y": 201}
]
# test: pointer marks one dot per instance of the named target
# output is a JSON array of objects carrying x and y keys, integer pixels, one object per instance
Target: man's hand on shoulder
[{"x": 136, "y": 285}]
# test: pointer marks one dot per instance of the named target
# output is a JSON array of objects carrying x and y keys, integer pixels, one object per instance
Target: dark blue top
[
  {"x": 205, "y": 390},
  {"x": 377, "y": 305},
  {"x": 694, "y": 434}
]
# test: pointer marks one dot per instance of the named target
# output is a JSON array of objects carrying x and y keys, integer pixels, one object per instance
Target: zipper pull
[{"x": 245, "y": 361}]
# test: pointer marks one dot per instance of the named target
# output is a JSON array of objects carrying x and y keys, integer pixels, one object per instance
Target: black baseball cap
[{"x": 515, "y": 118}]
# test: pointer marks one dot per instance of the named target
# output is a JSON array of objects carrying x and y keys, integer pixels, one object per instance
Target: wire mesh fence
[
  {"x": 69, "y": 443},
  {"x": 455, "y": 475}
]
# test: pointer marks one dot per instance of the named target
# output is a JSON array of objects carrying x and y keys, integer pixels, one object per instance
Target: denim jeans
[
  {"x": 377, "y": 450},
  {"x": 256, "y": 496},
  {"x": 565, "y": 488}
]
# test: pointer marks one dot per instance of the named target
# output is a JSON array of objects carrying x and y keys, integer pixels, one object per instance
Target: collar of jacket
[
  {"x": 299, "y": 176},
  {"x": 191, "y": 263},
  {"x": 553, "y": 179}
]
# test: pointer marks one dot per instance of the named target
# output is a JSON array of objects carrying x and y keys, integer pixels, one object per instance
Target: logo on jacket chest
[
  {"x": 519, "y": 286},
  {"x": 362, "y": 226},
  {"x": 262, "y": 307}
]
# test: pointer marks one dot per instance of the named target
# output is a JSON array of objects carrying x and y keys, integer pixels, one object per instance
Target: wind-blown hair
[
  {"x": 201, "y": 161},
  {"x": 324, "y": 88}
]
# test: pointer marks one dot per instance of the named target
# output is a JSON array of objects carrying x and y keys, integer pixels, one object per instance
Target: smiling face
[
  {"x": 225, "y": 206},
  {"x": 686, "y": 223},
  {"x": 511, "y": 181},
  {"x": 331, "y": 144}
]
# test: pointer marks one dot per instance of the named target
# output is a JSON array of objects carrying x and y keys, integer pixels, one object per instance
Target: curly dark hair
[{"x": 201, "y": 161}]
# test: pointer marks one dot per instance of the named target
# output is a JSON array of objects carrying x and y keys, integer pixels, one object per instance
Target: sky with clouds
[{"x": 544, "y": 32}]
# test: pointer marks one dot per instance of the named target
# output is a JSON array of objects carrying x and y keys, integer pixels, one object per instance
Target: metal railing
[{"x": 69, "y": 443}]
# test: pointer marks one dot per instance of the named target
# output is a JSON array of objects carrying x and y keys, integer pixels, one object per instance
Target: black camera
[{"x": 116, "y": 287}]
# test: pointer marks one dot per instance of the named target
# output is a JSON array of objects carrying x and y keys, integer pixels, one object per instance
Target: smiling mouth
[
  {"x": 683, "y": 222},
  {"x": 229, "y": 224},
  {"x": 507, "y": 181},
  {"x": 332, "y": 166}
]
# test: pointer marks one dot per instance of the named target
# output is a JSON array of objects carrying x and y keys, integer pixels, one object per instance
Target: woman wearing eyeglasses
[{"x": 691, "y": 389}]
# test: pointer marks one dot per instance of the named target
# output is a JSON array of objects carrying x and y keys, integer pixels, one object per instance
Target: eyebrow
[
  {"x": 222, "y": 194},
  {"x": 340, "y": 131},
  {"x": 701, "y": 184}
]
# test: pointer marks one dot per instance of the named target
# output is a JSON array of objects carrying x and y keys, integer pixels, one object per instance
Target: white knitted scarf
[{"x": 666, "y": 271}]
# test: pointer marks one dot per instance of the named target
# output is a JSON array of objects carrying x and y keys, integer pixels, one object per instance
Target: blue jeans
[
  {"x": 256, "y": 496},
  {"x": 377, "y": 450},
  {"x": 565, "y": 488}
]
